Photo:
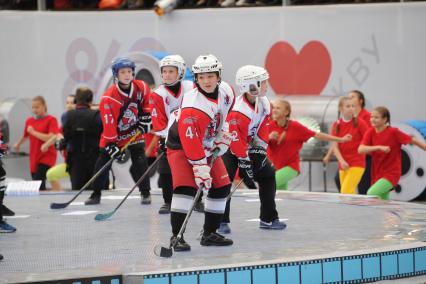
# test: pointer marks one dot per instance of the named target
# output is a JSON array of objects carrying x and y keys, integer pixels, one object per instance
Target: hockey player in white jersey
[
  {"x": 166, "y": 99},
  {"x": 198, "y": 130},
  {"x": 249, "y": 125}
]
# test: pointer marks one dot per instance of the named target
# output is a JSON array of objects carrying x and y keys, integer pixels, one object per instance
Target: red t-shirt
[
  {"x": 365, "y": 115},
  {"x": 349, "y": 150},
  {"x": 384, "y": 165},
  {"x": 47, "y": 124},
  {"x": 287, "y": 152}
]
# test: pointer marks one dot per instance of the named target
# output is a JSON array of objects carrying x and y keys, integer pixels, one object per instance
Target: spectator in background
[
  {"x": 39, "y": 129},
  {"x": 286, "y": 139},
  {"x": 383, "y": 143},
  {"x": 82, "y": 132},
  {"x": 351, "y": 163},
  {"x": 362, "y": 114},
  {"x": 59, "y": 171}
]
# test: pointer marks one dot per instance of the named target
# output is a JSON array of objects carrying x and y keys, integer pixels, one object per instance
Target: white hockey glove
[
  {"x": 202, "y": 176},
  {"x": 222, "y": 142}
]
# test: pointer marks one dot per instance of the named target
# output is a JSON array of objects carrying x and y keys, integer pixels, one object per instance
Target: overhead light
[{"x": 162, "y": 7}]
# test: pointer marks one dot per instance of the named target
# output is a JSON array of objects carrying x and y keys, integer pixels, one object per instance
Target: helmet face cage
[
  {"x": 174, "y": 61},
  {"x": 120, "y": 63},
  {"x": 249, "y": 79}
]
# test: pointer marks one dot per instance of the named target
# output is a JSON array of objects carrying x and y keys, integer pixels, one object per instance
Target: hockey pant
[
  {"x": 137, "y": 169},
  {"x": 2, "y": 189},
  {"x": 165, "y": 179},
  {"x": 264, "y": 175}
]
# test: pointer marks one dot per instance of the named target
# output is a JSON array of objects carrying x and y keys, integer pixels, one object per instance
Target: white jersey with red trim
[
  {"x": 199, "y": 121},
  {"x": 163, "y": 102},
  {"x": 249, "y": 129}
]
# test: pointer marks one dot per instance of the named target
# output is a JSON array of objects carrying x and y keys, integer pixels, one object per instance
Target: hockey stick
[
  {"x": 162, "y": 251},
  {"x": 233, "y": 190},
  {"x": 54, "y": 205},
  {"x": 104, "y": 216}
]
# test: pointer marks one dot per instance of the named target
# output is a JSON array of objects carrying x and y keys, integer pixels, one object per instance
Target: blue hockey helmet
[{"x": 122, "y": 62}]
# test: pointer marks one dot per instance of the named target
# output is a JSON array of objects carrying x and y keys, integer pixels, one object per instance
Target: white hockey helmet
[
  {"x": 206, "y": 64},
  {"x": 175, "y": 61},
  {"x": 249, "y": 79}
]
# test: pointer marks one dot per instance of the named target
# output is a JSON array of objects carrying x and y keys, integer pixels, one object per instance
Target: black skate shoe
[
  {"x": 145, "y": 199},
  {"x": 95, "y": 198},
  {"x": 164, "y": 209},
  {"x": 1, "y": 257},
  {"x": 7, "y": 211},
  {"x": 181, "y": 245},
  {"x": 215, "y": 239},
  {"x": 199, "y": 207}
]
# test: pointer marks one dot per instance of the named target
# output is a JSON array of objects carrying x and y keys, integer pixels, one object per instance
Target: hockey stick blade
[
  {"x": 89, "y": 182},
  {"x": 102, "y": 217},
  {"x": 163, "y": 251},
  {"x": 54, "y": 205}
]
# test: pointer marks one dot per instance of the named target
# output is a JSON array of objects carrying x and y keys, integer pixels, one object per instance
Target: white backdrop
[{"x": 379, "y": 49}]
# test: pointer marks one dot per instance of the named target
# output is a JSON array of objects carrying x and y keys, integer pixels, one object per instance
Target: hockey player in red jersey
[
  {"x": 248, "y": 123},
  {"x": 124, "y": 110},
  {"x": 166, "y": 99},
  {"x": 199, "y": 129}
]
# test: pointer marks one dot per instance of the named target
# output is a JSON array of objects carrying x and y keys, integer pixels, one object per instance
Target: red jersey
[
  {"x": 47, "y": 124},
  {"x": 349, "y": 150},
  {"x": 386, "y": 165},
  {"x": 249, "y": 129},
  {"x": 199, "y": 121},
  {"x": 365, "y": 115},
  {"x": 287, "y": 152},
  {"x": 120, "y": 111},
  {"x": 163, "y": 102}
]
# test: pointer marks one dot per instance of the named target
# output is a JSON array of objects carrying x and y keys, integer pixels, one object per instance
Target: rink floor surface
[{"x": 55, "y": 244}]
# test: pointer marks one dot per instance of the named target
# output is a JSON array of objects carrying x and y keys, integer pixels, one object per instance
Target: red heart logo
[{"x": 305, "y": 73}]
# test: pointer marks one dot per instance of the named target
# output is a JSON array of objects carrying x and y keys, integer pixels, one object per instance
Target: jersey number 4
[{"x": 190, "y": 133}]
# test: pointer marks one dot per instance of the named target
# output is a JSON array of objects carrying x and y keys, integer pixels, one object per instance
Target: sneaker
[
  {"x": 146, "y": 199},
  {"x": 6, "y": 211},
  {"x": 94, "y": 199},
  {"x": 274, "y": 225},
  {"x": 215, "y": 239},
  {"x": 199, "y": 207},
  {"x": 227, "y": 3},
  {"x": 6, "y": 228},
  {"x": 181, "y": 245},
  {"x": 1, "y": 257},
  {"x": 164, "y": 209},
  {"x": 224, "y": 228}
]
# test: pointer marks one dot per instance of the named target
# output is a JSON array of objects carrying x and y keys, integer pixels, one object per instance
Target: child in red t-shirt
[
  {"x": 39, "y": 129},
  {"x": 351, "y": 163},
  {"x": 383, "y": 143},
  {"x": 286, "y": 138}
]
